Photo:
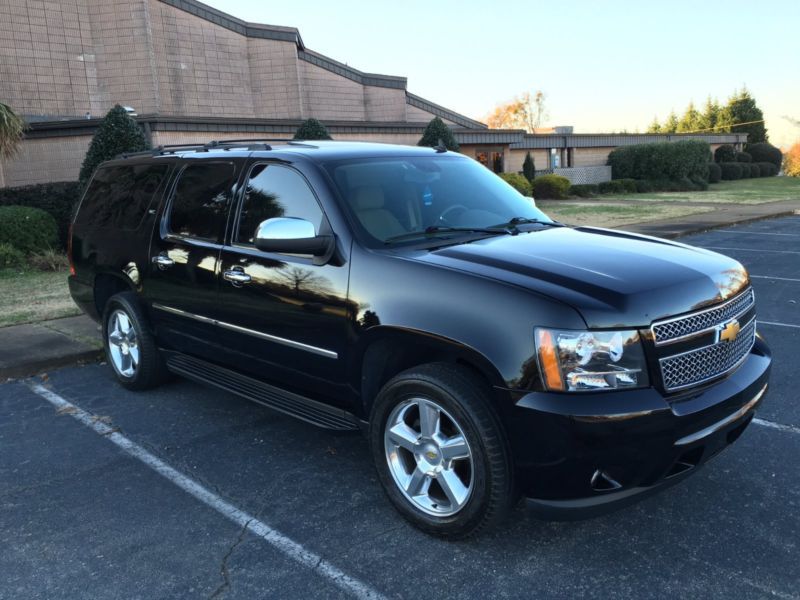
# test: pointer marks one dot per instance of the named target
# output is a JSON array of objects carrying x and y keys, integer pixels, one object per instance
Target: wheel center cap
[{"x": 430, "y": 453}]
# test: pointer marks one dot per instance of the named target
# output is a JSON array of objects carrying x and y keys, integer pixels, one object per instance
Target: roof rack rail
[{"x": 250, "y": 144}]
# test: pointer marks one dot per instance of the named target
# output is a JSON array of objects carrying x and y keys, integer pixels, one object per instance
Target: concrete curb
[{"x": 29, "y": 369}]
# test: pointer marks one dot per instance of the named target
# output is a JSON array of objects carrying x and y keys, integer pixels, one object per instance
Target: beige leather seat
[{"x": 369, "y": 206}]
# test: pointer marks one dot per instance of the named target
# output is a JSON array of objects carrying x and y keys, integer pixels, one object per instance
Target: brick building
[{"x": 193, "y": 73}]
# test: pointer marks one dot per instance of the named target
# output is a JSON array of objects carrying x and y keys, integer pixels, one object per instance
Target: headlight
[{"x": 590, "y": 360}]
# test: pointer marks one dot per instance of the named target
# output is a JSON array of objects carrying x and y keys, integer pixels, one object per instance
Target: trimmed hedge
[
  {"x": 29, "y": 230},
  {"x": 767, "y": 169},
  {"x": 644, "y": 186},
  {"x": 743, "y": 157},
  {"x": 550, "y": 187},
  {"x": 665, "y": 160},
  {"x": 518, "y": 182},
  {"x": 584, "y": 190},
  {"x": 311, "y": 129},
  {"x": 714, "y": 173},
  {"x": 725, "y": 153},
  {"x": 58, "y": 199},
  {"x": 755, "y": 170},
  {"x": 766, "y": 152},
  {"x": 731, "y": 170},
  {"x": 10, "y": 257}
]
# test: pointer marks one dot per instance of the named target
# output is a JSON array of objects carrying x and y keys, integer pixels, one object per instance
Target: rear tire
[
  {"x": 440, "y": 451},
  {"x": 130, "y": 347}
]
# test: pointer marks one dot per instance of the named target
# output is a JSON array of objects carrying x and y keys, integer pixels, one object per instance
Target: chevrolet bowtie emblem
[{"x": 728, "y": 331}]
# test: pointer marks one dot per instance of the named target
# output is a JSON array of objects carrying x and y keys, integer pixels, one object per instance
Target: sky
[{"x": 604, "y": 66}]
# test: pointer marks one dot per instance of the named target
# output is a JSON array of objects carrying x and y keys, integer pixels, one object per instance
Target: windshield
[{"x": 392, "y": 197}]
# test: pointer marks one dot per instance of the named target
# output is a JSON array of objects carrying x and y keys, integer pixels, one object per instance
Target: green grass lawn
[
  {"x": 613, "y": 215},
  {"x": 743, "y": 191},
  {"x": 32, "y": 296}
]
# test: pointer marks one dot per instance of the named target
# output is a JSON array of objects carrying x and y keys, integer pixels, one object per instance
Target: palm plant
[{"x": 12, "y": 128}]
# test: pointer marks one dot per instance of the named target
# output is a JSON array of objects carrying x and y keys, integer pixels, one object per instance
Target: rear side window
[
  {"x": 118, "y": 197},
  {"x": 200, "y": 203}
]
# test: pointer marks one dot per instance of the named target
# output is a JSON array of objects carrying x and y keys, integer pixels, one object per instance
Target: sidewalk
[{"x": 29, "y": 349}]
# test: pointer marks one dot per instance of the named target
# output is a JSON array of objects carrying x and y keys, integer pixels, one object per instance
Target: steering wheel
[{"x": 443, "y": 215}]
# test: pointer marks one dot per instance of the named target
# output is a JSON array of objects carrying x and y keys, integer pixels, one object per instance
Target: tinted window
[
  {"x": 118, "y": 197},
  {"x": 275, "y": 191},
  {"x": 200, "y": 203}
]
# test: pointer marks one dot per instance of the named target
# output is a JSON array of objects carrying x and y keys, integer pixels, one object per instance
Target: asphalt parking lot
[{"x": 186, "y": 492}]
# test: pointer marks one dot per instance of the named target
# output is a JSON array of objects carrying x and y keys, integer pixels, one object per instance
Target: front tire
[
  {"x": 130, "y": 347},
  {"x": 440, "y": 451}
]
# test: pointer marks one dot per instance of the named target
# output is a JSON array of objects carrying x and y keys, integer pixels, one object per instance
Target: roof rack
[{"x": 249, "y": 144}]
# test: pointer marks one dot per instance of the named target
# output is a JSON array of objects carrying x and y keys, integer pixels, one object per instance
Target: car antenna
[{"x": 440, "y": 147}]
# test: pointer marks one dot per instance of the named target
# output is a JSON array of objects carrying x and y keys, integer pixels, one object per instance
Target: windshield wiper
[
  {"x": 526, "y": 221},
  {"x": 439, "y": 229}
]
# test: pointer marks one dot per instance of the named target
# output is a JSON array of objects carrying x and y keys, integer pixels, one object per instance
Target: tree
[
  {"x": 791, "y": 161},
  {"x": 528, "y": 167},
  {"x": 671, "y": 124},
  {"x": 742, "y": 115},
  {"x": 12, "y": 128},
  {"x": 654, "y": 127},
  {"x": 523, "y": 112},
  {"x": 311, "y": 129},
  {"x": 436, "y": 132},
  {"x": 690, "y": 121},
  {"x": 710, "y": 116},
  {"x": 117, "y": 134}
]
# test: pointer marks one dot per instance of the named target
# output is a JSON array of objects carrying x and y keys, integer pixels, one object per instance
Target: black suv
[{"x": 489, "y": 351}]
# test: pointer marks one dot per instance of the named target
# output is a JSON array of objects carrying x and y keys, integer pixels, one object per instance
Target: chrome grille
[
  {"x": 680, "y": 327},
  {"x": 696, "y": 366}
]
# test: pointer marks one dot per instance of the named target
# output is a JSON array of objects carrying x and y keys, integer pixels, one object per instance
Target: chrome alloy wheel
[
  {"x": 429, "y": 457},
  {"x": 122, "y": 344}
]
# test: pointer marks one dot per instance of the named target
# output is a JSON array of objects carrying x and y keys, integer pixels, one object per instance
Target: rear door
[
  {"x": 284, "y": 317},
  {"x": 184, "y": 256}
]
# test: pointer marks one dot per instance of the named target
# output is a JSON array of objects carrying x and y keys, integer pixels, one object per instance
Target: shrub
[
  {"x": 628, "y": 185},
  {"x": 731, "y": 170},
  {"x": 28, "y": 229},
  {"x": 528, "y": 167},
  {"x": 615, "y": 186},
  {"x": 767, "y": 169},
  {"x": 665, "y": 160},
  {"x": 49, "y": 260},
  {"x": 743, "y": 157},
  {"x": 437, "y": 132},
  {"x": 518, "y": 182},
  {"x": 644, "y": 186},
  {"x": 311, "y": 129},
  {"x": 10, "y": 257},
  {"x": 725, "y": 153},
  {"x": 552, "y": 187},
  {"x": 58, "y": 199},
  {"x": 766, "y": 152},
  {"x": 117, "y": 133},
  {"x": 699, "y": 185},
  {"x": 755, "y": 170},
  {"x": 714, "y": 173},
  {"x": 585, "y": 190}
]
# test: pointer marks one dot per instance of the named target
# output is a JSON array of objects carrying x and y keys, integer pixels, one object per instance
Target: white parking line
[
  {"x": 756, "y": 232},
  {"x": 284, "y": 544},
  {"x": 751, "y": 250},
  {"x": 778, "y": 426},
  {"x": 760, "y": 322},
  {"x": 771, "y": 277}
]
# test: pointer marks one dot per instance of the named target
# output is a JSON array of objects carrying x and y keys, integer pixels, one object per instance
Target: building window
[{"x": 491, "y": 158}]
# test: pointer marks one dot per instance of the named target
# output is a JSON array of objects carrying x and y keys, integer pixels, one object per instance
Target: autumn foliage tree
[
  {"x": 791, "y": 161},
  {"x": 523, "y": 112}
]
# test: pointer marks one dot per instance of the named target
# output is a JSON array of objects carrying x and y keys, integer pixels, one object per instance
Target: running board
[{"x": 300, "y": 407}]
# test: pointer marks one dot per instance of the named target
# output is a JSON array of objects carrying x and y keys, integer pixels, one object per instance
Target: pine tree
[
  {"x": 528, "y": 167},
  {"x": 436, "y": 132},
  {"x": 710, "y": 117},
  {"x": 690, "y": 121},
  {"x": 117, "y": 133},
  {"x": 311, "y": 129},
  {"x": 742, "y": 108},
  {"x": 654, "y": 127},
  {"x": 671, "y": 124}
]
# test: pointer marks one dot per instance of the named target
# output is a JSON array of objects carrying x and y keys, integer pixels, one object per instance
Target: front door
[
  {"x": 284, "y": 318},
  {"x": 184, "y": 256}
]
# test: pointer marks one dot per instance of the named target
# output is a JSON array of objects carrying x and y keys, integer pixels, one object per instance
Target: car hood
[{"x": 613, "y": 278}]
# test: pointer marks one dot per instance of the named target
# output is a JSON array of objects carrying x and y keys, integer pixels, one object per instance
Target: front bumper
[{"x": 579, "y": 455}]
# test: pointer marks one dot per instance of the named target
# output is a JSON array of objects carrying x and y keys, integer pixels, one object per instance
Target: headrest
[{"x": 368, "y": 197}]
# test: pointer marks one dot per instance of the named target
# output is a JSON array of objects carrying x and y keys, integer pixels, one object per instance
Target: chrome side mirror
[{"x": 290, "y": 235}]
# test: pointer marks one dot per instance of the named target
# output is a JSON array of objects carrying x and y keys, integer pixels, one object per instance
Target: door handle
[
  {"x": 237, "y": 277},
  {"x": 163, "y": 262}
]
